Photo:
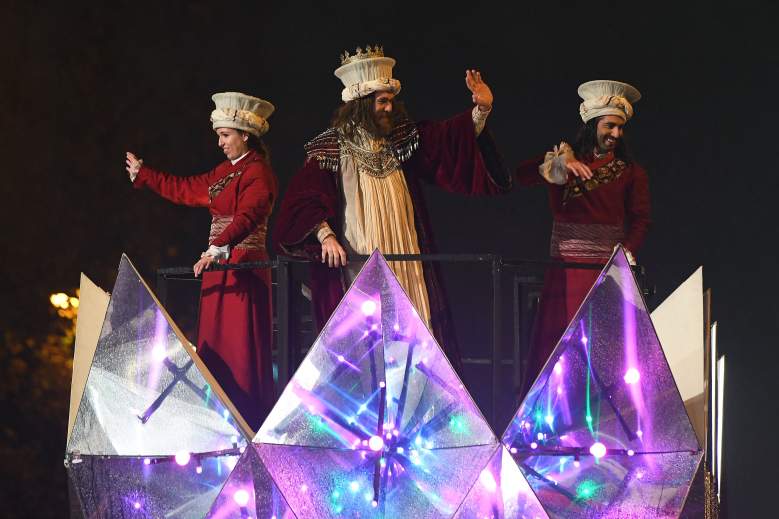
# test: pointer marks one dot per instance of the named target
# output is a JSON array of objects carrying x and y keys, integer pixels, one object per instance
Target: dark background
[{"x": 83, "y": 84}]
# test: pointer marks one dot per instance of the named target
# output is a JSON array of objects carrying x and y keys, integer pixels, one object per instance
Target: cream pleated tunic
[{"x": 379, "y": 214}]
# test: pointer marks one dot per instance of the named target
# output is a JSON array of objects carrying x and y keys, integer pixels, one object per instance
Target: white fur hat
[
  {"x": 604, "y": 97},
  {"x": 242, "y": 112},
  {"x": 366, "y": 72}
]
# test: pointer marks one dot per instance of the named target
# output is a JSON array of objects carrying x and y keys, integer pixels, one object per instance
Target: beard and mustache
[{"x": 383, "y": 123}]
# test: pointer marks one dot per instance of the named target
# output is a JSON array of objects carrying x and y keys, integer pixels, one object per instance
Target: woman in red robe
[
  {"x": 235, "y": 325},
  {"x": 599, "y": 198}
]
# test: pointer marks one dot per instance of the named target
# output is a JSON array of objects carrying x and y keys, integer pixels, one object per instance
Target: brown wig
[{"x": 361, "y": 113}]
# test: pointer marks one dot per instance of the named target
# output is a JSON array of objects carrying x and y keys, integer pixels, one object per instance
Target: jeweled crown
[{"x": 377, "y": 51}]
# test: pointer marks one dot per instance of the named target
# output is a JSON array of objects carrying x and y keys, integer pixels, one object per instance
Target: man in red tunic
[
  {"x": 599, "y": 197},
  {"x": 235, "y": 326},
  {"x": 360, "y": 187}
]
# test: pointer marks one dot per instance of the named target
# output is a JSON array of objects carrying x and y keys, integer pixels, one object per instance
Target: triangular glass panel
[
  {"x": 414, "y": 482},
  {"x": 375, "y": 369},
  {"x": 152, "y": 421},
  {"x": 250, "y": 492},
  {"x": 147, "y": 392},
  {"x": 375, "y": 405},
  {"x": 501, "y": 492},
  {"x": 603, "y": 431}
]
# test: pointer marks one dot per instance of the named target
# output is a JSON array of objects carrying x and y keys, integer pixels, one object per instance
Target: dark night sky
[{"x": 81, "y": 85}]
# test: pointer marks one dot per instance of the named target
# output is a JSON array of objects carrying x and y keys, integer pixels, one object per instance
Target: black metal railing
[{"x": 527, "y": 282}]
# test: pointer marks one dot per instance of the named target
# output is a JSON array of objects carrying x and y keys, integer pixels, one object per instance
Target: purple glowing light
[
  {"x": 533, "y": 445},
  {"x": 146, "y": 461},
  {"x": 376, "y": 443},
  {"x": 631, "y": 452},
  {"x": 598, "y": 450},
  {"x": 241, "y": 497},
  {"x": 488, "y": 480},
  {"x": 158, "y": 352},
  {"x": 632, "y": 376},
  {"x": 558, "y": 368},
  {"x": 137, "y": 505},
  {"x": 182, "y": 458},
  {"x": 369, "y": 307}
]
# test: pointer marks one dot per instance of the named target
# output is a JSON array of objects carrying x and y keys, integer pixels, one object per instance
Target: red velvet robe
[
  {"x": 449, "y": 155},
  {"x": 623, "y": 203},
  {"x": 235, "y": 325}
]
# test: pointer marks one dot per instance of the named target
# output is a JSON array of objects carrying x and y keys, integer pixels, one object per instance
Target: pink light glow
[
  {"x": 376, "y": 443},
  {"x": 558, "y": 368},
  {"x": 137, "y": 505},
  {"x": 368, "y": 307},
  {"x": 158, "y": 352},
  {"x": 598, "y": 450},
  {"x": 182, "y": 458},
  {"x": 632, "y": 376},
  {"x": 241, "y": 497},
  {"x": 534, "y": 445},
  {"x": 488, "y": 480}
]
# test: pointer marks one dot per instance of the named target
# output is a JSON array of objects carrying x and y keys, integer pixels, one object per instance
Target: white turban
[
  {"x": 604, "y": 97},
  {"x": 363, "y": 76},
  {"x": 242, "y": 112}
]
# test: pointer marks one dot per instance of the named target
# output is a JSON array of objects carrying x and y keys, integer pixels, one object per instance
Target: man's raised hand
[{"x": 480, "y": 92}]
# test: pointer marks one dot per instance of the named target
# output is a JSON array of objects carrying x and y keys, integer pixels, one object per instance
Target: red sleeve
[
  {"x": 256, "y": 195},
  {"x": 637, "y": 209},
  {"x": 311, "y": 198},
  {"x": 455, "y": 158},
  {"x": 527, "y": 172},
  {"x": 192, "y": 191}
]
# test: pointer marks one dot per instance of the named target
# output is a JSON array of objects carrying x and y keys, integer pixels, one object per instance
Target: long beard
[{"x": 383, "y": 123}]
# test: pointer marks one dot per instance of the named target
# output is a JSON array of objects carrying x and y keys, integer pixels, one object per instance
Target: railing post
[
  {"x": 161, "y": 287},
  {"x": 497, "y": 266},
  {"x": 283, "y": 320}
]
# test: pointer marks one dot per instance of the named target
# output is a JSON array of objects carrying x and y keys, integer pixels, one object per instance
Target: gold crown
[{"x": 376, "y": 51}]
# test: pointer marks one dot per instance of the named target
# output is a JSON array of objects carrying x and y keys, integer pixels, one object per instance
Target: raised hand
[
  {"x": 480, "y": 92},
  {"x": 133, "y": 165}
]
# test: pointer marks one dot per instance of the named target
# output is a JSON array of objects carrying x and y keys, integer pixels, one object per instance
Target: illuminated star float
[
  {"x": 154, "y": 435},
  {"x": 375, "y": 422},
  {"x": 603, "y": 432}
]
